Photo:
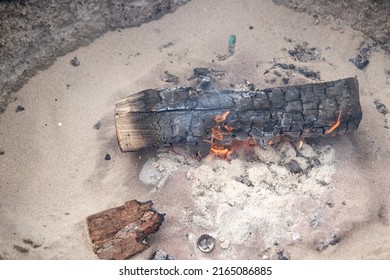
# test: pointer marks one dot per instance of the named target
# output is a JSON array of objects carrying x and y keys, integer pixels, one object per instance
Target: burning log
[{"x": 184, "y": 115}]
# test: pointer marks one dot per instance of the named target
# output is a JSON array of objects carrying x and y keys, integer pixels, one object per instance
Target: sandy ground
[{"x": 54, "y": 173}]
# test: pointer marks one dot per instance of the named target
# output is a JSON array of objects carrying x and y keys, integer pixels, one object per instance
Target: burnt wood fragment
[
  {"x": 185, "y": 115},
  {"x": 118, "y": 233}
]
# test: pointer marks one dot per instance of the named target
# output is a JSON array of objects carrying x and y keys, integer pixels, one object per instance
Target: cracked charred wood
[
  {"x": 120, "y": 232},
  {"x": 184, "y": 115}
]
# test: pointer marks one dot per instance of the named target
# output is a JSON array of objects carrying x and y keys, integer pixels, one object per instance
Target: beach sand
[{"x": 54, "y": 173}]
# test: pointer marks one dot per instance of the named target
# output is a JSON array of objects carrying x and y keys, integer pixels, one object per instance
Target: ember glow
[
  {"x": 217, "y": 134},
  {"x": 335, "y": 125},
  {"x": 228, "y": 149}
]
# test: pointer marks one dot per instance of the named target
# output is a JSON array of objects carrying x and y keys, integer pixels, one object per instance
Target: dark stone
[
  {"x": 75, "y": 62},
  {"x": 336, "y": 239},
  {"x": 360, "y": 64},
  {"x": 303, "y": 53},
  {"x": 281, "y": 256},
  {"x": 107, "y": 157},
  {"x": 293, "y": 166},
  {"x": 31, "y": 243},
  {"x": 170, "y": 78},
  {"x": 21, "y": 249},
  {"x": 19, "y": 108},
  {"x": 97, "y": 125},
  {"x": 161, "y": 255},
  {"x": 285, "y": 66},
  {"x": 381, "y": 107},
  {"x": 201, "y": 71},
  {"x": 309, "y": 73}
]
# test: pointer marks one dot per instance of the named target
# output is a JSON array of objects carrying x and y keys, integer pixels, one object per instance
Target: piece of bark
[
  {"x": 184, "y": 115},
  {"x": 119, "y": 233}
]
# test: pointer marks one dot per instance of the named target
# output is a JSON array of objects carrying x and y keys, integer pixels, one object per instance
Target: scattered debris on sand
[
  {"x": 287, "y": 71},
  {"x": 303, "y": 53},
  {"x": 170, "y": 78}
]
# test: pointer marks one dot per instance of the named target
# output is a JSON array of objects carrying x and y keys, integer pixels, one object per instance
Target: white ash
[
  {"x": 278, "y": 197},
  {"x": 245, "y": 199}
]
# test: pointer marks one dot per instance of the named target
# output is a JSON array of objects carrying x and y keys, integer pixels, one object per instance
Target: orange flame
[
  {"x": 225, "y": 150},
  {"x": 218, "y": 133},
  {"x": 228, "y": 150},
  {"x": 334, "y": 125}
]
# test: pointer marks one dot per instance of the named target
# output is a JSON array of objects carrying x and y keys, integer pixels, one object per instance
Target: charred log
[{"x": 184, "y": 115}]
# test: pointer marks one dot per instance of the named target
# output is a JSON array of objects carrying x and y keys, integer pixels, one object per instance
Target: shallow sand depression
[{"x": 55, "y": 171}]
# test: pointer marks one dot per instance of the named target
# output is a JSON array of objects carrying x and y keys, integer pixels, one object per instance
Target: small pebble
[
  {"x": 32, "y": 243},
  {"x": 201, "y": 71},
  {"x": 293, "y": 166},
  {"x": 381, "y": 107},
  {"x": 361, "y": 59},
  {"x": 161, "y": 255},
  {"x": 107, "y": 157},
  {"x": 2, "y": 152},
  {"x": 59, "y": 124},
  {"x": 359, "y": 63},
  {"x": 336, "y": 239},
  {"x": 19, "y": 108},
  {"x": 75, "y": 62},
  {"x": 206, "y": 243},
  {"x": 97, "y": 125},
  {"x": 224, "y": 243},
  {"x": 21, "y": 249},
  {"x": 281, "y": 256}
]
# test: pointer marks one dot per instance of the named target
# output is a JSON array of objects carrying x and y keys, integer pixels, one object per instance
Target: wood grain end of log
[{"x": 134, "y": 135}]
